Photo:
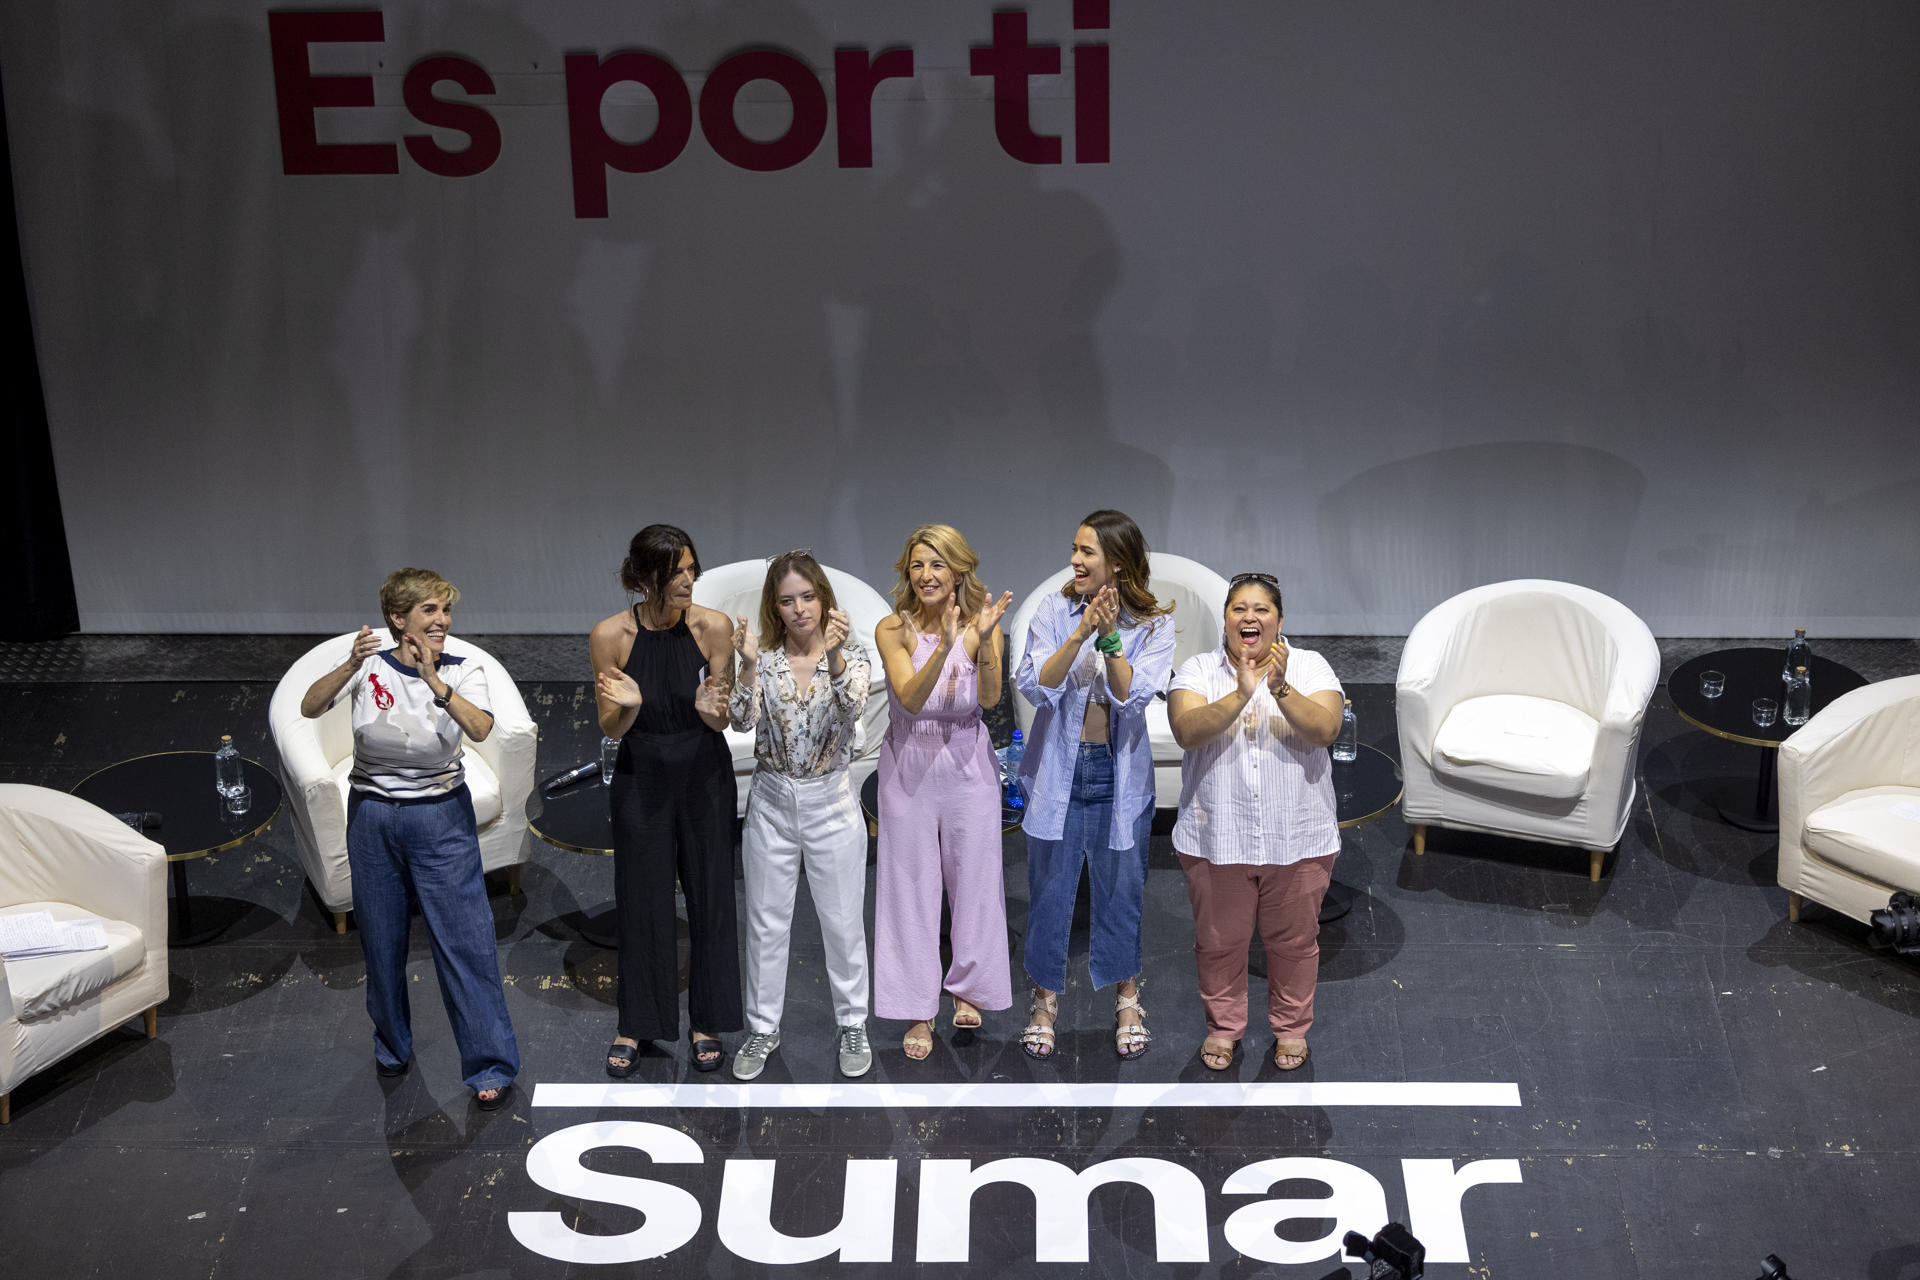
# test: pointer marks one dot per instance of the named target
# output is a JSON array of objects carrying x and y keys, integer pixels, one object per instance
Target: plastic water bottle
[
  {"x": 228, "y": 778},
  {"x": 1010, "y": 757},
  {"x": 1799, "y": 654},
  {"x": 1799, "y": 700},
  {"x": 1346, "y": 747}
]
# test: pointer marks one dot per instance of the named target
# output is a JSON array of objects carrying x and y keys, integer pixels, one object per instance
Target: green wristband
[{"x": 1108, "y": 644}]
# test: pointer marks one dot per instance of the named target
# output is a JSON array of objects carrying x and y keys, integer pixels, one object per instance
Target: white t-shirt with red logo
[{"x": 404, "y": 747}]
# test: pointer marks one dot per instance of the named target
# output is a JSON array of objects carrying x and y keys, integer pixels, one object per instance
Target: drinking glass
[
  {"x": 1765, "y": 710},
  {"x": 609, "y": 753},
  {"x": 1712, "y": 683}
]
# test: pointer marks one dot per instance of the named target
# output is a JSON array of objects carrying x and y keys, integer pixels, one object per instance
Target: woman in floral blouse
[{"x": 802, "y": 688}]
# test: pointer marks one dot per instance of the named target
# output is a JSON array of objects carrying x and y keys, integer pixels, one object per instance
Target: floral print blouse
[{"x": 803, "y": 733}]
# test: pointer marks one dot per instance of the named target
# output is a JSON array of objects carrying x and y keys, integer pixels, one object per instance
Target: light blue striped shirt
[{"x": 1047, "y": 770}]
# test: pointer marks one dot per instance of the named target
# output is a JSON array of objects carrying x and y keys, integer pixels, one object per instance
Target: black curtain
[{"x": 36, "y": 578}]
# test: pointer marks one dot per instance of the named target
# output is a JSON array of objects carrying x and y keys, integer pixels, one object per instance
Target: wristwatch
[{"x": 441, "y": 700}]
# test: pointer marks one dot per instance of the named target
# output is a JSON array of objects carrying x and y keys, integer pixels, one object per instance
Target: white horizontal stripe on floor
[{"x": 846, "y": 1096}]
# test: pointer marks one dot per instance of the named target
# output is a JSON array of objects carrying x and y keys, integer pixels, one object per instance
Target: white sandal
[
  {"x": 1130, "y": 1040},
  {"x": 1037, "y": 1040}
]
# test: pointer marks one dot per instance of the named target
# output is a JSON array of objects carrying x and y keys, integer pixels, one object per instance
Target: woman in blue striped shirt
[{"x": 1096, "y": 654}]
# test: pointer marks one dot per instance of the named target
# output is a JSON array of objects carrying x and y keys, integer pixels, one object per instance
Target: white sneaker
[
  {"x": 751, "y": 1058},
  {"x": 856, "y": 1056}
]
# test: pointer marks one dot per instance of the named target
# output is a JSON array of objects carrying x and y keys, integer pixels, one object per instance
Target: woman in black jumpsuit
[{"x": 673, "y": 800}]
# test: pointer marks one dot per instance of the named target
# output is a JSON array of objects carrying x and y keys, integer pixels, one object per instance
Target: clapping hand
[
  {"x": 745, "y": 643},
  {"x": 418, "y": 654},
  {"x": 1253, "y": 669},
  {"x": 365, "y": 645},
  {"x": 950, "y": 621},
  {"x": 838, "y": 629},
  {"x": 1277, "y": 665},
  {"x": 711, "y": 699},
  {"x": 618, "y": 688},
  {"x": 1103, "y": 612},
  {"x": 990, "y": 615}
]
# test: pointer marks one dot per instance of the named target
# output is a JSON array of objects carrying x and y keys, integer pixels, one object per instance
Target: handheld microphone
[{"x": 570, "y": 777}]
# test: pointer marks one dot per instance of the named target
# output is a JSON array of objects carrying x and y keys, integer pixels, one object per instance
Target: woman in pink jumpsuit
[{"x": 939, "y": 794}]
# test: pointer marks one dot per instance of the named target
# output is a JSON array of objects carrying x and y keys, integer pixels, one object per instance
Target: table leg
[
  {"x": 183, "y": 933},
  {"x": 1762, "y": 817},
  {"x": 1338, "y": 899}
]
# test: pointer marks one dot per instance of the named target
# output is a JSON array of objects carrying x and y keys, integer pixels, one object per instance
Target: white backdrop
[{"x": 1388, "y": 299}]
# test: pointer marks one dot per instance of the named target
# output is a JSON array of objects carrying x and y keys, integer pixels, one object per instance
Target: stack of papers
[{"x": 26, "y": 934}]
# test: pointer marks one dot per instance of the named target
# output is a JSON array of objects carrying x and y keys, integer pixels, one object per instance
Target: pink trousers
[{"x": 1228, "y": 902}]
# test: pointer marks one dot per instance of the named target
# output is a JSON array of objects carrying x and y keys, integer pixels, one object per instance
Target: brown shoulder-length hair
[
  {"x": 773, "y": 628},
  {"x": 951, "y": 547},
  {"x": 1125, "y": 548}
]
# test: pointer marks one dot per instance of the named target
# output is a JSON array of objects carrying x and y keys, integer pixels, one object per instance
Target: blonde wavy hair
[
  {"x": 946, "y": 543},
  {"x": 405, "y": 588}
]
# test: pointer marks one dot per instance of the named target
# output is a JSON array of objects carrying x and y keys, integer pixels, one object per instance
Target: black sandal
[
  {"x": 621, "y": 1059},
  {"x": 704, "y": 1047},
  {"x": 502, "y": 1095}
]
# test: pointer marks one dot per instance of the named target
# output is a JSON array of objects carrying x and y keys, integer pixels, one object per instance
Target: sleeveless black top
[{"x": 668, "y": 666}]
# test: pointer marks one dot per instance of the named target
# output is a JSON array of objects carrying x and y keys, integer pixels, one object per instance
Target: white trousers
[{"x": 815, "y": 820}]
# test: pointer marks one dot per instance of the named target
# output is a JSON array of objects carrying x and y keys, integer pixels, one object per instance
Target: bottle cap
[{"x": 226, "y": 737}]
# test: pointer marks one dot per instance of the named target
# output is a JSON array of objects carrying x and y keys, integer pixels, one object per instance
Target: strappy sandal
[
  {"x": 1130, "y": 1040},
  {"x": 620, "y": 1059},
  {"x": 1299, "y": 1058},
  {"x": 967, "y": 1018},
  {"x": 924, "y": 1043},
  {"x": 1036, "y": 1041},
  {"x": 1231, "y": 1052}
]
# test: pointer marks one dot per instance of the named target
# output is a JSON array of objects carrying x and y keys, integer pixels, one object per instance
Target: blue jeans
[
  {"x": 404, "y": 852},
  {"x": 1118, "y": 878}
]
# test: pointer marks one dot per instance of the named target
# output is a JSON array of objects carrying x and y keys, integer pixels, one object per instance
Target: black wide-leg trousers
[{"x": 673, "y": 800}]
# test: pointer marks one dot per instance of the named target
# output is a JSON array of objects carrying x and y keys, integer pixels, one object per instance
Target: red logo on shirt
[{"x": 381, "y": 698}]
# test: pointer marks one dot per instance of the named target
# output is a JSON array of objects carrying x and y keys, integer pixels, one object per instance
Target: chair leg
[
  {"x": 513, "y": 880},
  {"x": 339, "y": 922},
  {"x": 152, "y": 1017},
  {"x": 6, "y": 1108},
  {"x": 1793, "y": 908},
  {"x": 1419, "y": 841},
  {"x": 1596, "y": 858}
]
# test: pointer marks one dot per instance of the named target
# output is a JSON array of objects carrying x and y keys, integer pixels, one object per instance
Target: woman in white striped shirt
[{"x": 1257, "y": 832}]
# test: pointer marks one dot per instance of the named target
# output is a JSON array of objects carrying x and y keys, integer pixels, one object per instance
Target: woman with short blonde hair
[{"x": 939, "y": 793}]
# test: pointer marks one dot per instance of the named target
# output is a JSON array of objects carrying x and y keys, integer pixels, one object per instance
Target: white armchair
[
  {"x": 317, "y": 755},
  {"x": 69, "y": 858},
  {"x": 734, "y": 589},
  {"x": 1199, "y": 597},
  {"x": 1520, "y": 706},
  {"x": 1850, "y": 801}
]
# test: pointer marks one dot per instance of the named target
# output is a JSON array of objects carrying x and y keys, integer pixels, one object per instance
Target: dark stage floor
[{"x": 1653, "y": 1076}]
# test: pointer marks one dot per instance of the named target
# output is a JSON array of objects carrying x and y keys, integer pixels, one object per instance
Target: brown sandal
[
  {"x": 1231, "y": 1052},
  {"x": 1281, "y": 1051}
]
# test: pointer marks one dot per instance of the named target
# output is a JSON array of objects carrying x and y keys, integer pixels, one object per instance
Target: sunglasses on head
[
  {"x": 1239, "y": 578},
  {"x": 797, "y": 551}
]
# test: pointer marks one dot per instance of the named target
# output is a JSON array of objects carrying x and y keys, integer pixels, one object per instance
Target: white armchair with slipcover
[
  {"x": 1850, "y": 801},
  {"x": 71, "y": 859},
  {"x": 734, "y": 589},
  {"x": 317, "y": 755},
  {"x": 1199, "y": 597},
  {"x": 1520, "y": 705}
]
